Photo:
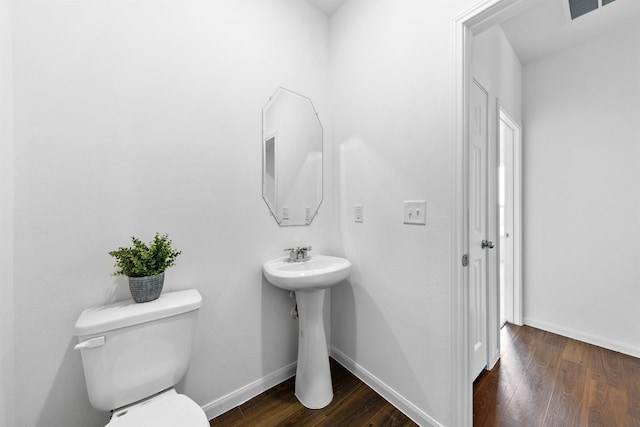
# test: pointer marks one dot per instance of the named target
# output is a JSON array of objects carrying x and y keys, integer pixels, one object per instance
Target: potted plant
[{"x": 145, "y": 265}]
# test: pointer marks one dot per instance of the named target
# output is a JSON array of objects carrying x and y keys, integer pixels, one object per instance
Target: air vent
[{"x": 580, "y": 7}]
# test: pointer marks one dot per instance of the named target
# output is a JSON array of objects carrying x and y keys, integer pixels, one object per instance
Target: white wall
[
  {"x": 582, "y": 205},
  {"x": 6, "y": 217},
  {"x": 497, "y": 68},
  {"x": 391, "y": 74},
  {"x": 133, "y": 117}
]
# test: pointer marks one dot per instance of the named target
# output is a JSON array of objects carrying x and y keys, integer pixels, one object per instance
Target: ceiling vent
[{"x": 580, "y": 7}]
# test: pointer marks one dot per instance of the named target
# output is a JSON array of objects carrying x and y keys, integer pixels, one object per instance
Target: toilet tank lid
[{"x": 121, "y": 314}]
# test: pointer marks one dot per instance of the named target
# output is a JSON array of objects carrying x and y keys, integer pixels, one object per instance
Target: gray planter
[{"x": 145, "y": 289}]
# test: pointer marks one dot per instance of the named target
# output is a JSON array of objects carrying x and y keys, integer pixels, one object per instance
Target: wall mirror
[{"x": 291, "y": 158}]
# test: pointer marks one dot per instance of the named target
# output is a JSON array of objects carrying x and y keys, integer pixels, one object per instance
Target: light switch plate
[{"x": 415, "y": 212}]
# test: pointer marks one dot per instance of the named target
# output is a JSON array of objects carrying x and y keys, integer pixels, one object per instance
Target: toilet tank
[{"x": 131, "y": 350}]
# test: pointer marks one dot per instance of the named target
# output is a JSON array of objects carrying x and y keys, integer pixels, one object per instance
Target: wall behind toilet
[{"x": 133, "y": 117}]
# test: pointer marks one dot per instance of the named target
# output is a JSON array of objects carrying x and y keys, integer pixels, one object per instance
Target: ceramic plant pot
[{"x": 147, "y": 288}]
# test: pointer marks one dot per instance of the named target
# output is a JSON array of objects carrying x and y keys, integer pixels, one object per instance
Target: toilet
[{"x": 133, "y": 356}]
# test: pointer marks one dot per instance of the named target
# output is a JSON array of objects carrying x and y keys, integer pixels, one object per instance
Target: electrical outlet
[
  {"x": 359, "y": 213},
  {"x": 415, "y": 212}
]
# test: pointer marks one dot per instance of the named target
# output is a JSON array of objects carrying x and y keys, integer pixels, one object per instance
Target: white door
[
  {"x": 478, "y": 244},
  {"x": 509, "y": 202}
]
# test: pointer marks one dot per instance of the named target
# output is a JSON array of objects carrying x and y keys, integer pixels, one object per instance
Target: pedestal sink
[{"x": 309, "y": 279}]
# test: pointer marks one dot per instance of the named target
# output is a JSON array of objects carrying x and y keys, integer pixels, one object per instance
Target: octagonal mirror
[{"x": 291, "y": 158}]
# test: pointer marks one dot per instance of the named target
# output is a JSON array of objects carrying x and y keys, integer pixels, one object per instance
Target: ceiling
[
  {"x": 327, "y": 6},
  {"x": 546, "y": 27}
]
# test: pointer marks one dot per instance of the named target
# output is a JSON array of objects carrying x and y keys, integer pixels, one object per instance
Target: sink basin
[{"x": 318, "y": 272}]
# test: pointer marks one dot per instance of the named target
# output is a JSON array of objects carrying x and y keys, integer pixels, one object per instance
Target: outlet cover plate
[{"x": 359, "y": 213}]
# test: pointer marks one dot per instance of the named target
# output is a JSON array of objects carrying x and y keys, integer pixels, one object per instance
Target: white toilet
[{"x": 133, "y": 356}]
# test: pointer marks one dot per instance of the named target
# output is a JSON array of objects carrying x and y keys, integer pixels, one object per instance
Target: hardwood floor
[
  {"x": 542, "y": 380},
  {"x": 548, "y": 380},
  {"x": 354, "y": 404}
]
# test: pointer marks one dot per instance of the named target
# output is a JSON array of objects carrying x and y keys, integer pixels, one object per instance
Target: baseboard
[
  {"x": 409, "y": 409},
  {"x": 585, "y": 337},
  {"x": 248, "y": 392}
]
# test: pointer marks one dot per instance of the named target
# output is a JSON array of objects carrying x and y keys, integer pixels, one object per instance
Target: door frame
[{"x": 479, "y": 17}]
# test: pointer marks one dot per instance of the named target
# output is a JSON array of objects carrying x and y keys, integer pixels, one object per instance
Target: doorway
[{"x": 477, "y": 18}]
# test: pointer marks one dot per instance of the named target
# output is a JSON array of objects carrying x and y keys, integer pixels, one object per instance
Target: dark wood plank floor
[
  {"x": 548, "y": 380},
  {"x": 354, "y": 404}
]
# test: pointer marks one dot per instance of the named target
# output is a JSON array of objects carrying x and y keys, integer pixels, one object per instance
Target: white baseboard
[
  {"x": 607, "y": 343},
  {"x": 249, "y": 391},
  {"x": 409, "y": 409}
]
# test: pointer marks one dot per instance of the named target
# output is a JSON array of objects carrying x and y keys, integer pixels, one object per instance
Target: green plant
[{"x": 139, "y": 260}]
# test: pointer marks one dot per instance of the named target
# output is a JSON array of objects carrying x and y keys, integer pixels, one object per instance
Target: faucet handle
[
  {"x": 302, "y": 253},
  {"x": 293, "y": 254}
]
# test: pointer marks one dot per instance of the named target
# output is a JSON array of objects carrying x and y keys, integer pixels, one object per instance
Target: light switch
[
  {"x": 359, "y": 213},
  {"x": 415, "y": 212},
  {"x": 285, "y": 212}
]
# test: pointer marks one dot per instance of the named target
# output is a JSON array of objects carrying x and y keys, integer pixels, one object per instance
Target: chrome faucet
[{"x": 298, "y": 254}]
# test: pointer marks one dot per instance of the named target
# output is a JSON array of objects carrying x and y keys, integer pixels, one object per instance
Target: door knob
[{"x": 487, "y": 244}]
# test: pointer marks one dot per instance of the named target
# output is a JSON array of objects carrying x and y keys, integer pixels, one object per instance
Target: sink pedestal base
[{"x": 313, "y": 376}]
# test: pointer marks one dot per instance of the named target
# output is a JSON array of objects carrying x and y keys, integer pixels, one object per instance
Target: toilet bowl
[{"x": 133, "y": 354}]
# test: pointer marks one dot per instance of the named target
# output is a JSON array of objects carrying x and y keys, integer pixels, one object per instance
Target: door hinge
[{"x": 465, "y": 260}]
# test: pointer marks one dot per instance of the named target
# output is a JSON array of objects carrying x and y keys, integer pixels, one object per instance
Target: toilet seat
[{"x": 167, "y": 409}]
